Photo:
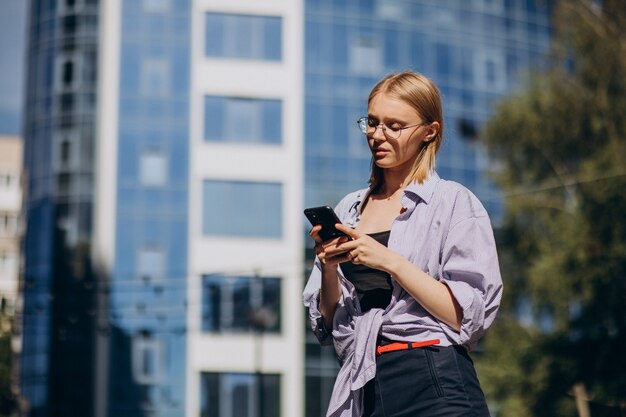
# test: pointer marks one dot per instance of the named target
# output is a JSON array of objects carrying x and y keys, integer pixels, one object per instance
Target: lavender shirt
[{"x": 446, "y": 232}]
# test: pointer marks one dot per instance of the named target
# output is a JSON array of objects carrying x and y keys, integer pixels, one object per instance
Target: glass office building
[
  {"x": 476, "y": 51},
  {"x": 163, "y": 250},
  {"x": 59, "y": 285}
]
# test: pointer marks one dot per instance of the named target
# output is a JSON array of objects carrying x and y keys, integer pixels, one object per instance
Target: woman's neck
[{"x": 393, "y": 182}]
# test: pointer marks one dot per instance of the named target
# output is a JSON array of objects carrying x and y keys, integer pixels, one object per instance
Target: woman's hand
[
  {"x": 362, "y": 249},
  {"x": 322, "y": 247}
]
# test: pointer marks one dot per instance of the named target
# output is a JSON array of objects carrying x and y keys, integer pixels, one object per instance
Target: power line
[{"x": 525, "y": 191}]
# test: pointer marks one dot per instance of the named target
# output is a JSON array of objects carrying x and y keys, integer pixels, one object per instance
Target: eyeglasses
[{"x": 368, "y": 126}]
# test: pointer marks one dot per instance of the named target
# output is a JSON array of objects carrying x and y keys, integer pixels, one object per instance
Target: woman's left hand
[{"x": 362, "y": 249}]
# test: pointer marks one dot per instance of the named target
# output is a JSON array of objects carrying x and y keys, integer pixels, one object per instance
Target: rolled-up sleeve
[
  {"x": 311, "y": 300},
  {"x": 344, "y": 311},
  {"x": 469, "y": 267}
]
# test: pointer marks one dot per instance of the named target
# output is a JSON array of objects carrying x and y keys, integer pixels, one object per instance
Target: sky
[{"x": 12, "y": 64}]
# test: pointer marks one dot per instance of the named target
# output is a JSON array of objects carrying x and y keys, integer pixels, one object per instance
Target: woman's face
[{"x": 399, "y": 148}]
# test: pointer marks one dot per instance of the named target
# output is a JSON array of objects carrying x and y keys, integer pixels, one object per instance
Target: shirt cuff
[
  {"x": 473, "y": 308},
  {"x": 324, "y": 335}
]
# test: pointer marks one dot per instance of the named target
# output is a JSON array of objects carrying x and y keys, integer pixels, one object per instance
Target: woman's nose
[{"x": 379, "y": 131}]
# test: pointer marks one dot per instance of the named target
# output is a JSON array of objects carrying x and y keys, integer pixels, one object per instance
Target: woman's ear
[{"x": 431, "y": 133}]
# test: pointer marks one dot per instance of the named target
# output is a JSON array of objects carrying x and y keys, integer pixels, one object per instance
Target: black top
[{"x": 373, "y": 286}]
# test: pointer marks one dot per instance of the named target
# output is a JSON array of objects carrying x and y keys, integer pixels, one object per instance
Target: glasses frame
[{"x": 362, "y": 122}]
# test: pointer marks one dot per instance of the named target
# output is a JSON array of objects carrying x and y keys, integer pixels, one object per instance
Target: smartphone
[{"x": 325, "y": 216}]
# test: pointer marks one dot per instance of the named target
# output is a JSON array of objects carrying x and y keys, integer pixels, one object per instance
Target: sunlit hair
[{"x": 422, "y": 94}]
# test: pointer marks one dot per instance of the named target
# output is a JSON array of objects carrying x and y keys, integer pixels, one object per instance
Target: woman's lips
[{"x": 379, "y": 152}]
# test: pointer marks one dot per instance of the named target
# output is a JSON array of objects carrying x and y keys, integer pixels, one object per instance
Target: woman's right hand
[{"x": 328, "y": 262}]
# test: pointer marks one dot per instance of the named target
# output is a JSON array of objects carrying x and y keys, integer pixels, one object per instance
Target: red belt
[{"x": 392, "y": 347}]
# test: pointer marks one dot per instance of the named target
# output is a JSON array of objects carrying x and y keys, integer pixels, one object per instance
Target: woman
[{"x": 417, "y": 283}]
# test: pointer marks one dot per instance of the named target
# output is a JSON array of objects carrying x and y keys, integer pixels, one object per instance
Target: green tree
[
  {"x": 560, "y": 147},
  {"x": 7, "y": 400}
]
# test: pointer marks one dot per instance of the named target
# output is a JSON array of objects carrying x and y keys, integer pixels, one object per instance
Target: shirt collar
[
  {"x": 424, "y": 190},
  {"x": 415, "y": 189}
]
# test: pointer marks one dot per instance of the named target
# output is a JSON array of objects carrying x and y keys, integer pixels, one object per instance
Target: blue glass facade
[
  {"x": 59, "y": 309},
  {"x": 148, "y": 285},
  {"x": 476, "y": 52}
]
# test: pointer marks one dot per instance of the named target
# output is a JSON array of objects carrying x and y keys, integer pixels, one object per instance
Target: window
[
  {"x": 8, "y": 263},
  {"x": 443, "y": 54},
  {"x": 69, "y": 24},
  {"x": 8, "y": 224},
  {"x": 148, "y": 359},
  {"x": 239, "y": 395},
  {"x": 156, "y": 6},
  {"x": 235, "y": 208},
  {"x": 491, "y": 70},
  {"x": 67, "y": 102},
  {"x": 4, "y": 180},
  {"x": 151, "y": 264},
  {"x": 391, "y": 9},
  {"x": 240, "y": 304},
  {"x": 155, "y": 77},
  {"x": 243, "y": 36},
  {"x": 65, "y": 151},
  {"x": 242, "y": 120},
  {"x": 494, "y": 7},
  {"x": 318, "y": 390},
  {"x": 152, "y": 168},
  {"x": 366, "y": 57},
  {"x": 68, "y": 73},
  {"x": 89, "y": 64}
]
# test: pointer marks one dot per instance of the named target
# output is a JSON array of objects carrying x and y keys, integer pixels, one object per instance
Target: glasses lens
[
  {"x": 362, "y": 122},
  {"x": 392, "y": 133},
  {"x": 368, "y": 126}
]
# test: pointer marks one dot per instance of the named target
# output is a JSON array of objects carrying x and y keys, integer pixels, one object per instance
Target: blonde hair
[{"x": 422, "y": 94}]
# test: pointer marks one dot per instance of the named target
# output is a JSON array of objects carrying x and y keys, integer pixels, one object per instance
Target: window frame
[
  {"x": 225, "y": 304},
  {"x": 262, "y": 44},
  {"x": 237, "y": 196},
  {"x": 145, "y": 177},
  {"x": 221, "y": 117},
  {"x": 221, "y": 387},
  {"x": 141, "y": 343}
]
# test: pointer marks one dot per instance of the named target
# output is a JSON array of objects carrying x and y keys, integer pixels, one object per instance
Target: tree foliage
[
  {"x": 560, "y": 147},
  {"x": 7, "y": 399}
]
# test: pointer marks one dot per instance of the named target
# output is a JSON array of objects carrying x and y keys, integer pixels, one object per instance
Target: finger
[
  {"x": 348, "y": 230},
  {"x": 336, "y": 259},
  {"x": 335, "y": 242},
  {"x": 314, "y": 233},
  {"x": 343, "y": 247},
  {"x": 330, "y": 247},
  {"x": 315, "y": 230}
]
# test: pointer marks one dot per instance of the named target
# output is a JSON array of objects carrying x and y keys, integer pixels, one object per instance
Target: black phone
[{"x": 325, "y": 216}]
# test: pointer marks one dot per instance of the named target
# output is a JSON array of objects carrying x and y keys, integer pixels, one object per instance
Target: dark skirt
[{"x": 432, "y": 381}]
